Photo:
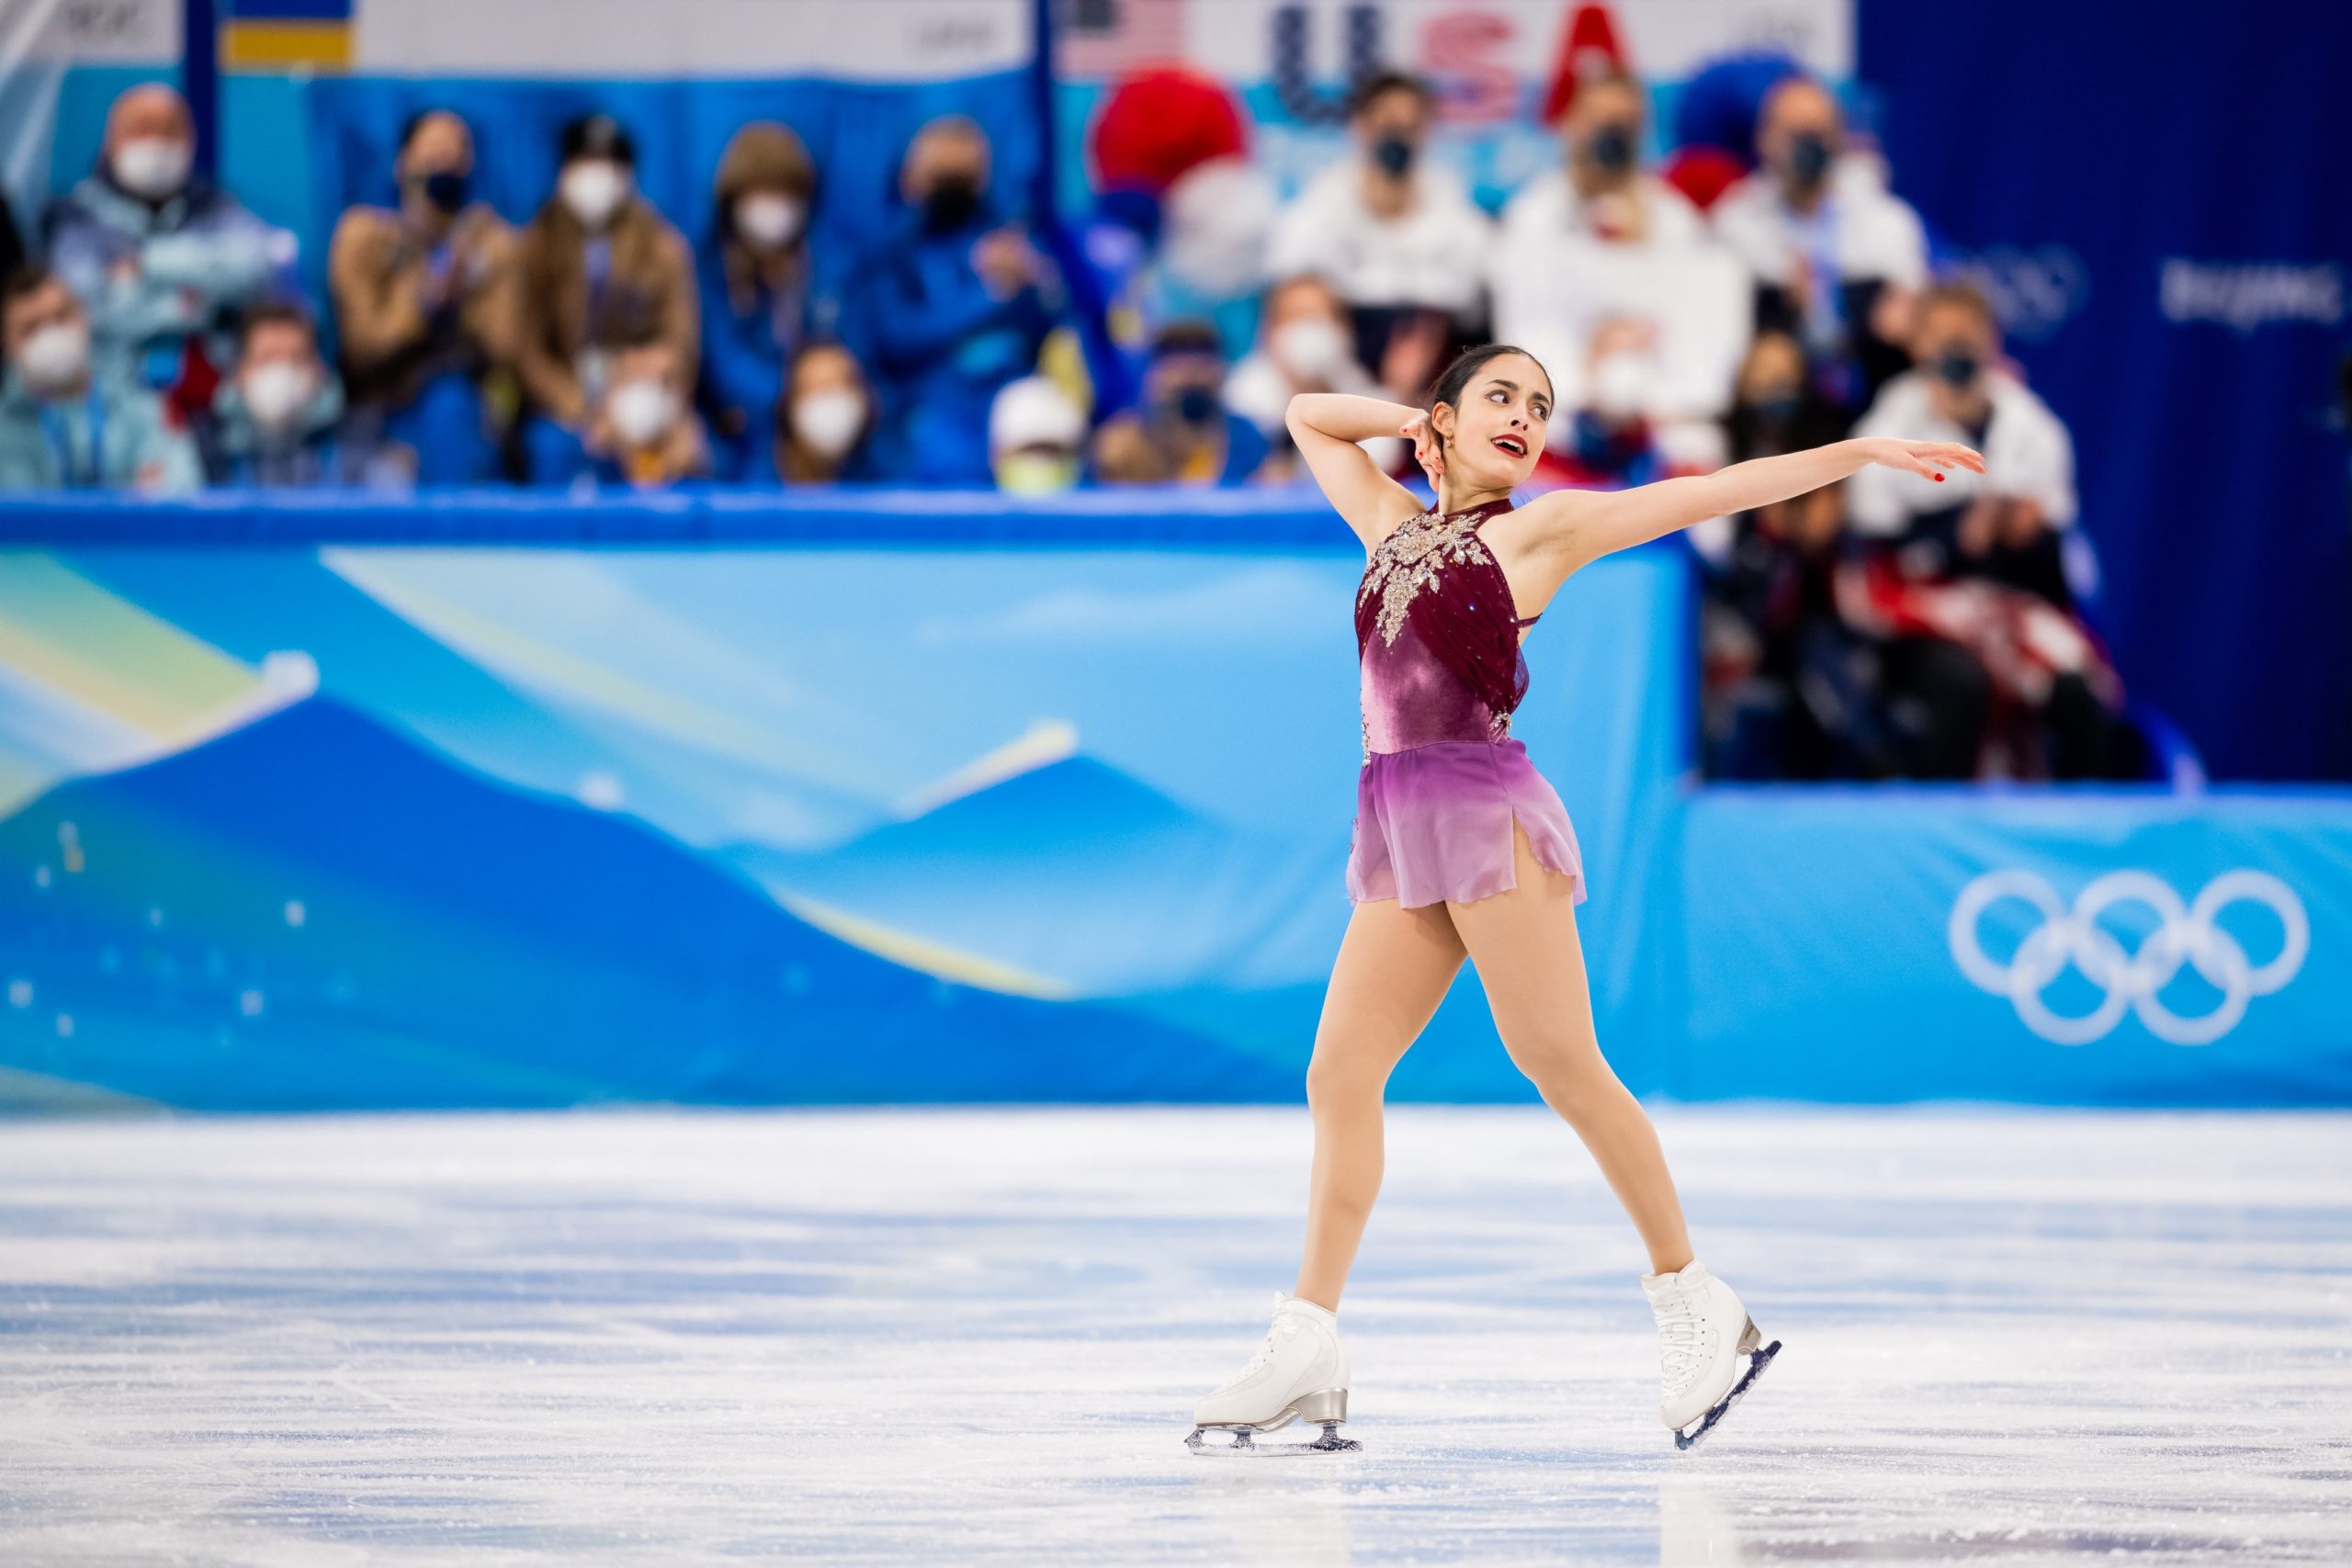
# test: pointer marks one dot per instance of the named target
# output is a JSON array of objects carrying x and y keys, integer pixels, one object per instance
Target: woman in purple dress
[{"x": 1462, "y": 850}]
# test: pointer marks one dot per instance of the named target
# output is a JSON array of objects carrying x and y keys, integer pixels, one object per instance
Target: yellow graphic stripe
[
  {"x": 66, "y": 632},
  {"x": 274, "y": 45},
  {"x": 920, "y": 952}
]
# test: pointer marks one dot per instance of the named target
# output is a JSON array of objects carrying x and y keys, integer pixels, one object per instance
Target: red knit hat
[{"x": 1157, "y": 123}]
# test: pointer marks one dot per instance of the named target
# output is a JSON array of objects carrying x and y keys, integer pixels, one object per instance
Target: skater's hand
[
  {"x": 1426, "y": 451},
  {"x": 1922, "y": 457}
]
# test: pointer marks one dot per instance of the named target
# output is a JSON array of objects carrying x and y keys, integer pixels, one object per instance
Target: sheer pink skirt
[{"x": 1433, "y": 824}]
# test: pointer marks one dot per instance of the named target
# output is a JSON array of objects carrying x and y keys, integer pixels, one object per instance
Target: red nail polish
[{"x": 1939, "y": 478}]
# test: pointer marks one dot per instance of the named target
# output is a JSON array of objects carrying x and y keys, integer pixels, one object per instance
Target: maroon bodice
[{"x": 1438, "y": 636}]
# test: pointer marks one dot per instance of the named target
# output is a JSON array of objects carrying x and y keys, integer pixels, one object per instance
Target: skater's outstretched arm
[
  {"x": 1326, "y": 426},
  {"x": 1593, "y": 524}
]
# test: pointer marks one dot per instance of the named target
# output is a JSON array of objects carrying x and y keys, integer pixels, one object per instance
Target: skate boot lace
[
  {"x": 1285, "y": 1328},
  {"x": 1679, "y": 1325}
]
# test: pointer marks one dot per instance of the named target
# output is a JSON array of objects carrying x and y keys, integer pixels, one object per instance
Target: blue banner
[
  {"x": 919, "y": 797},
  {"x": 2147, "y": 203}
]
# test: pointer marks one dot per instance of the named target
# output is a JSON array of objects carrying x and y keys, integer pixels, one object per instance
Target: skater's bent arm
[
  {"x": 1326, "y": 427},
  {"x": 1596, "y": 523}
]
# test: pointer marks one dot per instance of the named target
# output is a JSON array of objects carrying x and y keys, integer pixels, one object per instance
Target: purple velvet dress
[{"x": 1438, "y": 635}]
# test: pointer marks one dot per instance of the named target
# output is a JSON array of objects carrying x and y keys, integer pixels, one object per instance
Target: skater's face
[{"x": 1494, "y": 432}]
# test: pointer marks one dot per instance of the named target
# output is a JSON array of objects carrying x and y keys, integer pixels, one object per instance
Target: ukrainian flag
[{"x": 278, "y": 34}]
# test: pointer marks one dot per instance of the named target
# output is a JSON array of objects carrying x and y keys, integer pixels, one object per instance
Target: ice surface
[{"x": 973, "y": 1336}]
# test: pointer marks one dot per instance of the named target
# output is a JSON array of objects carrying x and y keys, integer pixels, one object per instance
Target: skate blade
[
  {"x": 1755, "y": 1363},
  {"x": 1245, "y": 1444}
]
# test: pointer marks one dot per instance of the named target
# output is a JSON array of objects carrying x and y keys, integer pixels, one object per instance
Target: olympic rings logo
[{"x": 2185, "y": 934}]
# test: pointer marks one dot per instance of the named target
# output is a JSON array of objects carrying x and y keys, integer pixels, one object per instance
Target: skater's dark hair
[{"x": 1457, "y": 376}]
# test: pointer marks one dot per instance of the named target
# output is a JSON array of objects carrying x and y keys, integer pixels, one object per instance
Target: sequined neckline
[{"x": 1409, "y": 558}]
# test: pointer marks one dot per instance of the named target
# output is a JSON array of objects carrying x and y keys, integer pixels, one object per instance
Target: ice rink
[{"x": 974, "y": 1338}]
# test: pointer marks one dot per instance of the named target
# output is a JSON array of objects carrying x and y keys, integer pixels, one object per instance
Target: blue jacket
[
  {"x": 940, "y": 345},
  {"x": 113, "y": 438},
  {"x": 192, "y": 261},
  {"x": 746, "y": 353},
  {"x": 312, "y": 455}
]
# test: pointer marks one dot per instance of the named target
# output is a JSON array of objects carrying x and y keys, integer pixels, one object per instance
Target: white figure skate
[
  {"x": 1300, "y": 1372},
  {"x": 1706, "y": 1334}
]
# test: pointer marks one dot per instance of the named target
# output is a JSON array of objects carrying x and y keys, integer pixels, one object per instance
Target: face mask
[
  {"x": 1193, "y": 404},
  {"x": 1393, "y": 154},
  {"x": 275, "y": 393},
  {"x": 951, "y": 202},
  {"x": 829, "y": 423},
  {"x": 447, "y": 189},
  {"x": 1311, "y": 349},
  {"x": 152, "y": 167},
  {"x": 55, "y": 359},
  {"x": 768, "y": 221},
  {"x": 1610, "y": 149},
  {"x": 1809, "y": 156},
  {"x": 1776, "y": 408},
  {"x": 1620, "y": 386},
  {"x": 1036, "y": 473},
  {"x": 642, "y": 411},
  {"x": 1956, "y": 367},
  {"x": 594, "y": 189}
]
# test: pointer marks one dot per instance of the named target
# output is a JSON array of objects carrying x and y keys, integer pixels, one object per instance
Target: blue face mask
[
  {"x": 447, "y": 189},
  {"x": 1611, "y": 149},
  {"x": 1956, "y": 367},
  {"x": 1195, "y": 404},
  {"x": 1393, "y": 154},
  {"x": 1809, "y": 157}
]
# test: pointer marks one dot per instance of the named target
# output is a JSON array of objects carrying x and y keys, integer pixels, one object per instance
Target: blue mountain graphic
[
  {"x": 1077, "y": 871},
  {"x": 312, "y": 913}
]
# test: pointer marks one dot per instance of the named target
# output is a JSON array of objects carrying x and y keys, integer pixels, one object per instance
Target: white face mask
[
  {"x": 641, "y": 410},
  {"x": 594, "y": 189},
  {"x": 1620, "y": 386},
  {"x": 1311, "y": 349},
  {"x": 276, "y": 392},
  {"x": 152, "y": 166},
  {"x": 55, "y": 359},
  {"x": 829, "y": 423},
  {"x": 769, "y": 222}
]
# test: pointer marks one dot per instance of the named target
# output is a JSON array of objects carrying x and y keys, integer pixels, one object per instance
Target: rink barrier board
[{"x": 910, "y": 797}]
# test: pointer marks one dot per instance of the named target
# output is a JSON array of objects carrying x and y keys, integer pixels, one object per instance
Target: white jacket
[
  {"x": 2027, "y": 453},
  {"x": 1433, "y": 254}
]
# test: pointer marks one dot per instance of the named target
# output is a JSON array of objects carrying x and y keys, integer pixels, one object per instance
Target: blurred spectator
[
  {"x": 1991, "y": 564},
  {"x": 1183, "y": 432},
  {"x": 1610, "y": 442},
  {"x": 1304, "y": 345},
  {"x": 160, "y": 259},
  {"x": 824, "y": 422},
  {"x": 1775, "y": 408},
  {"x": 1035, "y": 437},
  {"x": 643, "y": 433},
  {"x": 1788, "y": 689},
  {"x": 956, "y": 306},
  {"x": 277, "y": 420},
  {"x": 1601, "y": 237},
  {"x": 1395, "y": 232},
  {"x": 599, "y": 269},
  {"x": 1834, "y": 255},
  {"x": 63, "y": 426},
  {"x": 423, "y": 304},
  {"x": 759, "y": 297}
]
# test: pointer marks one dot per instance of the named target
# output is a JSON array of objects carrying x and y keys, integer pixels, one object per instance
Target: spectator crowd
[{"x": 1727, "y": 304}]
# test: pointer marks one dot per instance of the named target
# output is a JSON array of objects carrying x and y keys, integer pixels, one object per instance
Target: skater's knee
[
  {"x": 1573, "y": 1080},
  {"x": 1335, "y": 1080}
]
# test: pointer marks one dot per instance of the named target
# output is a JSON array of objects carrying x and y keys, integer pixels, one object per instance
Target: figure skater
[{"x": 1462, "y": 849}]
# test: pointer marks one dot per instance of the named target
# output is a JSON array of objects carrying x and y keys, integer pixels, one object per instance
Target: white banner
[
  {"x": 89, "y": 32},
  {"x": 1665, "y": 40},
  {"x": 897, "y": 40}
]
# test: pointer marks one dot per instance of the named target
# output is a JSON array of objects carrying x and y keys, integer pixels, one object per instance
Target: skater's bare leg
[
  {"x": 1523, "y": 942},
  {"x": 1393, "y": 967}
]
